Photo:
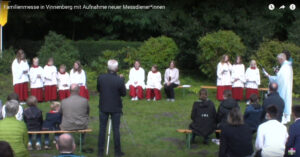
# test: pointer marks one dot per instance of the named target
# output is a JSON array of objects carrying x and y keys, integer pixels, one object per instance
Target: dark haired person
[
  {"x": 226, "y": 105},
  {"x": 136, "y": 82},
  {"x": 273, "y": 99},
  {"x": 78, "y": 76},
  {"x": 223, "y": 76},
  {"x": 293, "y": 142},
  {"x": 253, "y": 112},
  {"x": 203, "y": 116},
  {"x": 236, "y": 137},
  {"x": 238, "y": 79},
  {"x": 288, "y": 56},
  {"x": 171, "y": 81},
  {"x": 153, "y": 84},
  {"x": 252, "y": 80},
  {"x": 6, "y": 150},
  {"x": 50, "y": 80},
  {"x": 271, "y": 136},
  {"x": 20, "y": 69}
]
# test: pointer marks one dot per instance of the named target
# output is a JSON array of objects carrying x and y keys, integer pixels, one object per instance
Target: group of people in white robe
[
  {"x": 46, "y": 83},
  {"x": 233, "y": 77},
  {"x": 136, "y": 83}
]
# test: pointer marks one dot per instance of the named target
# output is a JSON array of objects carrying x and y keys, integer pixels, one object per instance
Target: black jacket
[
  {"x": 224, "y": 108},
  {"x": 52, "y": 121},
  {"x": 33, "y": 118},
  {"x": 204, "y": 118},
  {"x": 273, "y": 99},
  {"x": 235, "y": 141},
  {"x": 111, "y": 87}
]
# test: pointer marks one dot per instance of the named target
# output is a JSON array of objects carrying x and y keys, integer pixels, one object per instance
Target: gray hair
[
  {"x": 11, "y": 108},
  {"x": 281, "y": 56},
  {"x": 112, "y": 65},
  {"x": 74, "y": 89}
]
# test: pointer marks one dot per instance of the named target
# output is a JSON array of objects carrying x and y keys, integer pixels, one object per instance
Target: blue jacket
[
  {"x": 52, "y": 121},
  {"x": 294, "y": 139},
  {"x": 252, "y": 116}
]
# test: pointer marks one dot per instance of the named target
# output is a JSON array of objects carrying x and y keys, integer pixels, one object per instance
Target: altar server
[
  {"x": 153, "y": 84},
  {"x": 36, "y": 73},
  {"x": 223, "y": 76},
  {"x": 77, "y": 76},
  {"x": 20, "y": 69},
  {"x": 252, "y": 80},
  {"x": 136, "y": 82},
  {"x": 63, "y": 80},
  {"x": 50, "y": 80},
  {"x": 238, "y": 79}
]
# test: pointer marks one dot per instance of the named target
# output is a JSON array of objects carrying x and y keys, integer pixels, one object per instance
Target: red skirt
[
  {"x": 50, "y": 93},
  {"x": 63, "y": 94},
  {"x": 38, "y": 93},
  {"x": 22, "y": 90},
  {"x": 84, "y": 92},
  {"x": 153, "y": 93},
  {"x": 250, "y": 91},
  {"x": 220, "y": 91},
  {"x": 238, "y": 93}
]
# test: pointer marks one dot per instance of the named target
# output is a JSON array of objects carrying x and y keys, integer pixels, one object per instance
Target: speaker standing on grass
[{"x": 111, "y": 88}]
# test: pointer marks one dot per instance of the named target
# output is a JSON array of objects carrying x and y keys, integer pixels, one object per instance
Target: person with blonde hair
[
  {"x": 252, "y": 80},
  {"x": 36, "y": 73},
  {"x": 223, "y": 76},
  {"x": 78, "y": 76},
  {"x": 20, "y": 69},
  {"x": 50, "y": 78},
  {"x": 63, "y": 79}
]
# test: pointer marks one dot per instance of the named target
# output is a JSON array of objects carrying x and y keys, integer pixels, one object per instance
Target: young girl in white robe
[
  {"x": 77, "y": 76},
  {"x": 50, "y": 81},
  {"x": 153, "y": 84},
  {"x": 63, "y": 80},
  {"x": 136, "y": 82},
  {"x": 223, "y": 77},
  {"x": 238, "y": 79},
  {"x": 252, "y": 80},
  {"x": 36, "y": 73}
]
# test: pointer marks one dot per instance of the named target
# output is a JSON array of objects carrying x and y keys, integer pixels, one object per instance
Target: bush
[
  {"x": 6, "y": 60},
  {"x": 160, "y": 51},
  {"x": 266, "y": 56},
  {"x": 90, "y": 50},
  {"x": 60, "y": 48},
  {"x": 213, "y": 46}
]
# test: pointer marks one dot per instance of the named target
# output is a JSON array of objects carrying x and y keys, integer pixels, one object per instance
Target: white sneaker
[
  {"x": 154, "y": 99},
  {"x": 216, "y": 141},
  {"x": 38, "y": 146},
  {"x": 29, "y": 146},
  {"x": 132, "y": 99},
  {"x": 148, "y": 99},
  {"x": 136, "y": 98},
  {"x": 172, "y": 100}
]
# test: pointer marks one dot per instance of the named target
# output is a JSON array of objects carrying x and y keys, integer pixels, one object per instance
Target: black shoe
[{"x": 119, "y": 154}]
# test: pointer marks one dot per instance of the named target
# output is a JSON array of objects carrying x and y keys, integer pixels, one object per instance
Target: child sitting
[
  {"x": 253, "y": 113},
  {"x": 52, "y": 122},
  {"x": 33, "y": 118}
]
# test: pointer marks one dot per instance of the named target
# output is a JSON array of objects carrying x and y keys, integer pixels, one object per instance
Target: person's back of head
[
  {"x": 65, "y": 144},
  {"x": 31, "y": 101},
  {"x": 254, "y": 101},
  {"x": 112, "y": 65},
  {"x": 273, "y": 86},
  {"x": 272, "y": 112},
  {"x": 13, "y": 96},
  {"x": 74, "y": 89},
  {"x": 227, "y": 94},
  {"x": 5, "y": 149},
  {"x": 11, "y": 108},
  {"x": 296, "y": 111},
  {"x": 235, "y": 117}
]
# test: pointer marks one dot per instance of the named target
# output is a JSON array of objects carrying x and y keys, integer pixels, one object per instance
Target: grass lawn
[{"x": 148, "y": 129}]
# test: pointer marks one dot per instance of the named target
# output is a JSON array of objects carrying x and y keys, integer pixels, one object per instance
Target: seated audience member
[
  {"x": 52, "y": 122},
  {"x": 292, "y": 148},
  {"x": 226, "y": 105},
  {"x": 236, "y": 137},
  {"x": 203, "y": 116},
  {"x": 66, "y": 146},
  {"x": 75, "y": 111},
  {"x": 14, "y": 131},
  {"x": 153, "y": 84},
  {"x": 33, "y": 118},
  {"x": 271, "y": 136},
  {"x": 273, "y": 99},
  {"x": 6, "y": 150},
  {"x": 19, "y": 115},
  {"x": 171, "y": 81},
  {"x": 253, "y": 113},
  {"x": 136, "y": 82}
]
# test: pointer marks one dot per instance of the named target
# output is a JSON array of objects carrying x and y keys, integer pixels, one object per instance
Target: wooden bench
[
  {"x": 184, "y": 87},
  {"x": 65, "y": 131}
]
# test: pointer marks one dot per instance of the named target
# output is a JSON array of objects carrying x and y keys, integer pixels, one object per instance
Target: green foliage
[
  {"x": 159, "y": 51},
  {"x": 6, "y": 60},
  {"x": 267, "y": 53},
  {"x": 60, "y": 48},
  {"x": 216, "y": 44},
  {"x": 90, "y": 50}
]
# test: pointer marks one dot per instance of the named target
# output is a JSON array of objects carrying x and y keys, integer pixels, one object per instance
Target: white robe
[
  {"x": 238, "y": 72},
  {"x": 173, "y": 74},
  {"x": 36, "y": 82},
  {"x": 224, "y": 74},
  {"x": 252, "y": 78},
  {"x": 17, "y": 72},
  {"x": 284, "y": 79},
  {"x": 78, "y": 78},
  {"x": 63, "y": 79},
  {"x": 136, "y": 76},
  {"x": 154, "y": 80},
  {"x": 50, "y": 73}
]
